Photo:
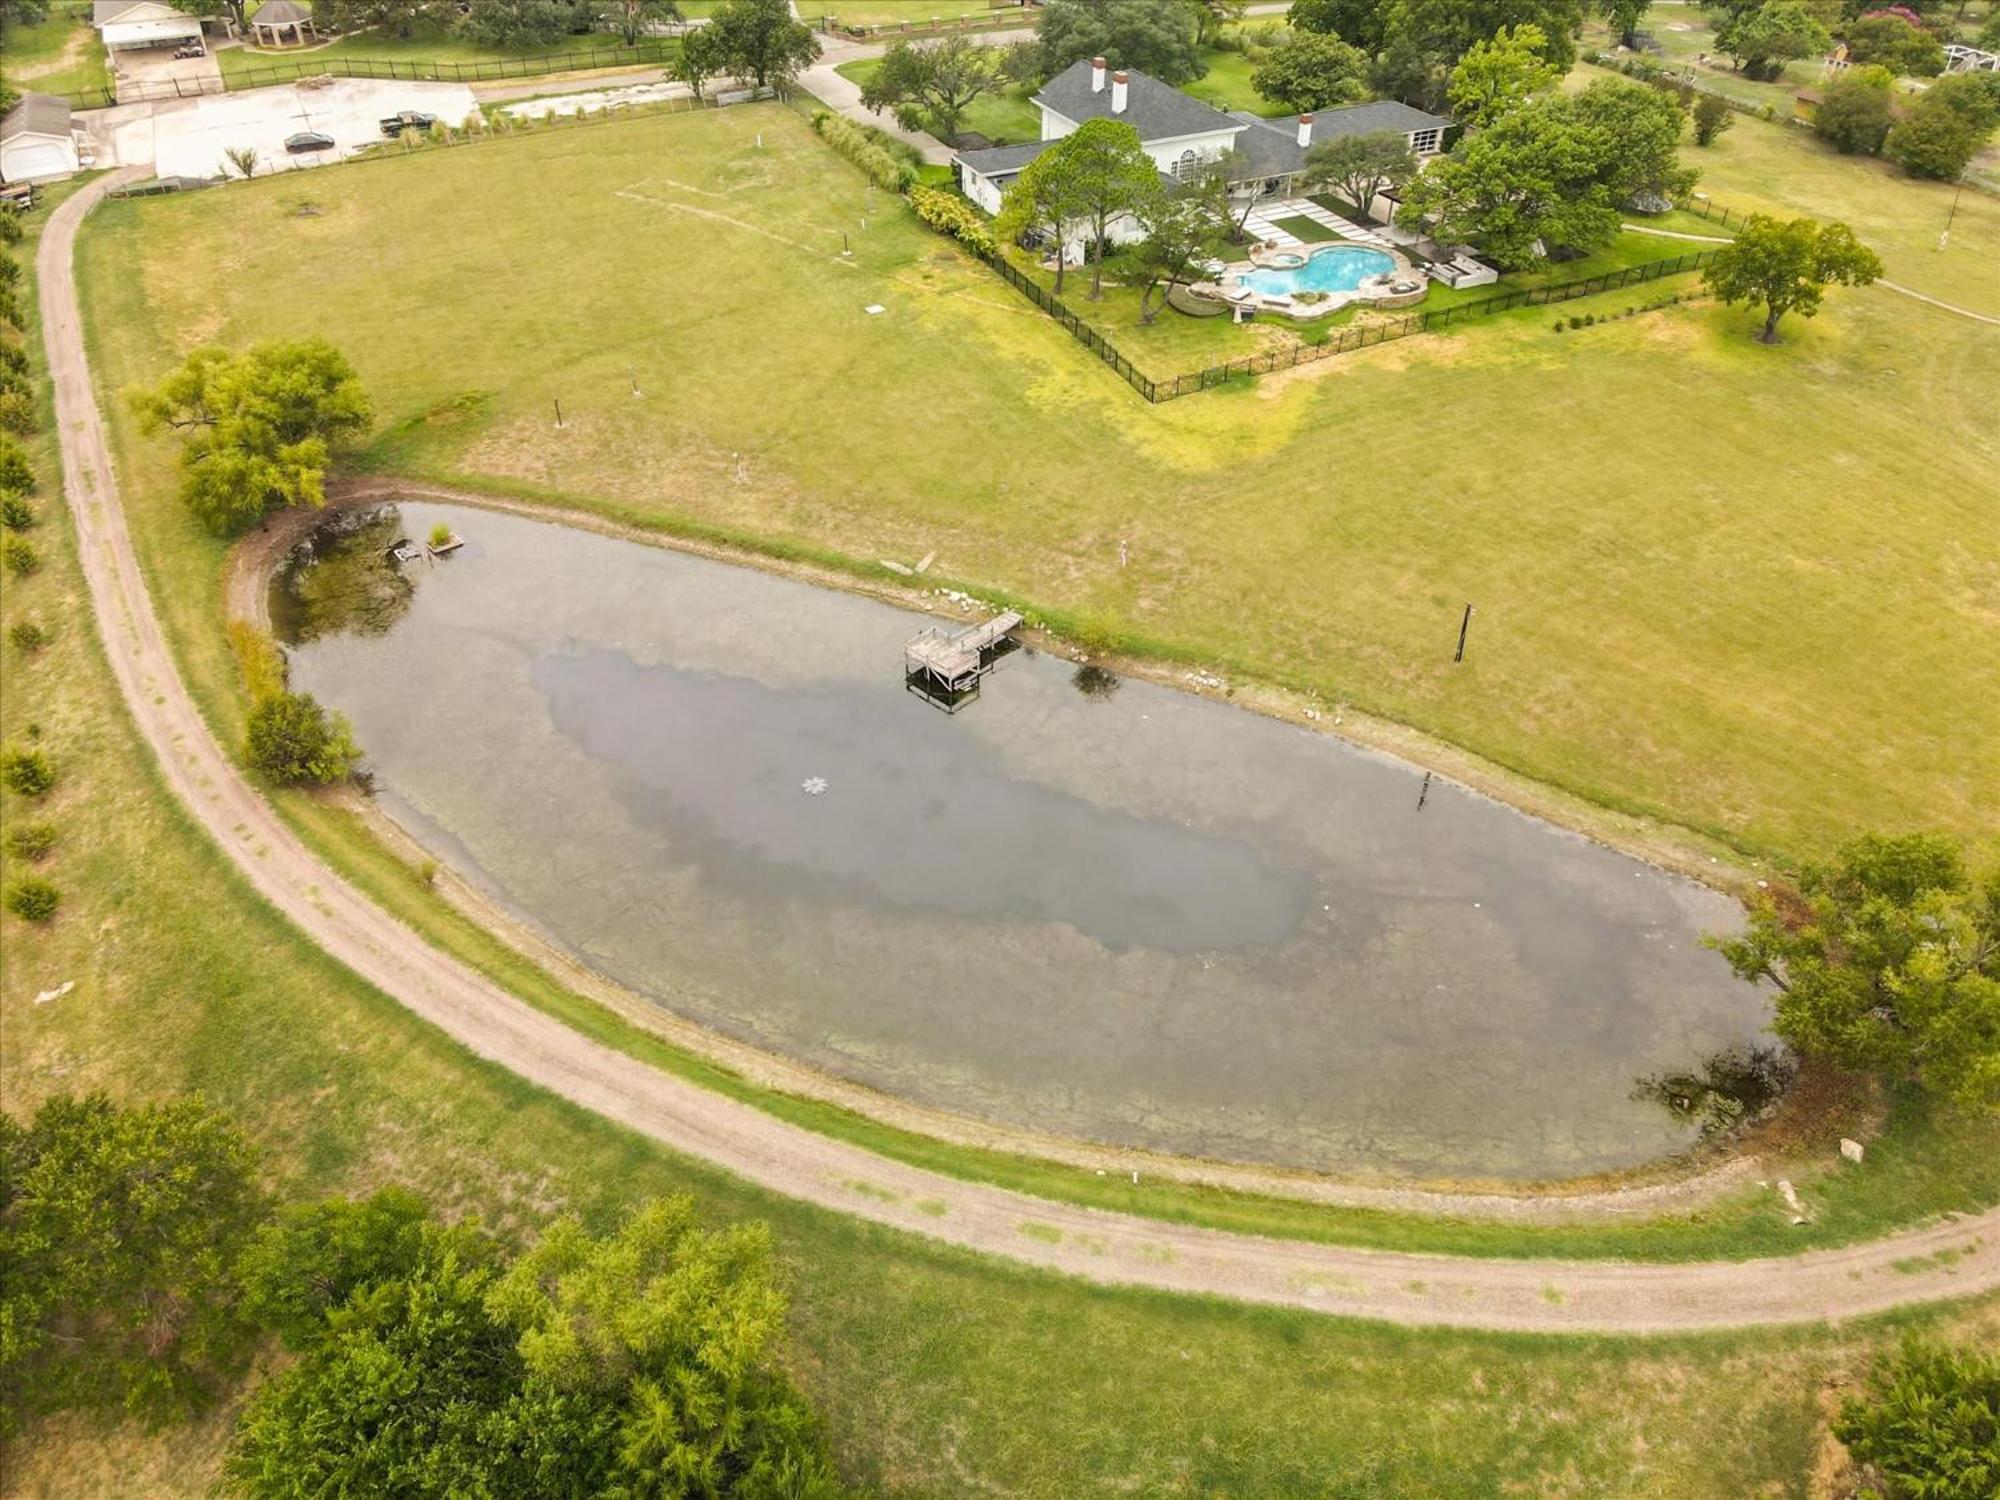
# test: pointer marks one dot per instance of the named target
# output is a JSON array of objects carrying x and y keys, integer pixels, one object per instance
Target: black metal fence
[
  {"x": 1349, "y": 339},
  {"x": 644, "y": 54}
]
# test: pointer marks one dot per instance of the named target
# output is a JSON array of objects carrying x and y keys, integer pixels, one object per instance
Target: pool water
[{"x": 1338, "y": 268}]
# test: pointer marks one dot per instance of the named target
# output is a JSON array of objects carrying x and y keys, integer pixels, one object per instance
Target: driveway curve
[{"x": 1956, "y": 1257}]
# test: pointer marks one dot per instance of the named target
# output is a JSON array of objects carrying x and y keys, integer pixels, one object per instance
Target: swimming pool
[{"x": 1337, "y": 268}]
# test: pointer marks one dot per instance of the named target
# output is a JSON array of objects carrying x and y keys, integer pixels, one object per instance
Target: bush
[
  {"x": 950, "y": 214},
  {"x": 1928, "y": 1425},
  {"x": 21, "y": 556},
  {"x": 26, "y": 771},
  {"x": 33, "y": 898},
  {"x": 1933, "y": 140},
  {"x": 16, "y": 514},
  {"x": 17, "y": 413},
  {"x": 1712, "y": 116},
  {"x": 860, "y": 147},
  {"x": 28, "y": 636},
  {"x": 31, "y": 841},
  {"x": 16, "y": 473},
  {"x": 295, "y": 741},
  {"x": 1856, "y": 111}
]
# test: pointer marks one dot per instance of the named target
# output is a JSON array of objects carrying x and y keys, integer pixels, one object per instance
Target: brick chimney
[
  {"x": 1118, "y": 82},
  {"x": 1097, "y": 75},
  {"x": 1305, "y": 131}
]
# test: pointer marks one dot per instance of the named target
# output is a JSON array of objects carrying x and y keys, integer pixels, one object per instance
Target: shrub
[
  {"x": 33, "y": 898},
  {"x": 1855, "y": 112},
  {"x": 861, "y": 148},
  {"x": 16, "y": 473},
  {"x": 1928, "y": 1425},
  {"x": 31, "y": 841},
  {"x": 440, "y": 535},
  {"x": 28, "y": 636},
  {"x": 26, "y": 771},
  {"x": 21, "y": 556},
  {"x": 258, "y": 655},
  {"x": 1712, "y": 116},
  {"x": 1576, "y": 322},
  {"x": 950, "y": 214},
  {"x": 16, "y": 514},
  {"x": 17, "y": 413},
  {"x": 1933, "y": 140},
  {"x": 295, "y": 741},
  {"x": 1559, "y": 325}
]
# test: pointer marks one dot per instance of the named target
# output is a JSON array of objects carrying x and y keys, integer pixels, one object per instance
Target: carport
[{"x": 128, "y": 36}]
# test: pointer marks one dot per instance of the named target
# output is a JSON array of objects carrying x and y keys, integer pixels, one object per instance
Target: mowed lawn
[
  {"x": 1752, "y": 590},
  {"x": 425, "y": 44}
]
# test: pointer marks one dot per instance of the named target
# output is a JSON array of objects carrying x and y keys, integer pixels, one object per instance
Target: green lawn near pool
[
  {"x": 1781, "y": 479},
  {"x": 1309, "y": 230}
]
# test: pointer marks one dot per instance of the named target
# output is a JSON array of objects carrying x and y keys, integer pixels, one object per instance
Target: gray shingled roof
[
  {"x": 1377, "y": 114},
  {"x": 280, "y": 13},
  {"x": 104, "y": 11},
  {"x": 36, "y": 114},
  {"x": 1003, "y": 161},
  {"x": 1271, "y": 147},
  {"x": 1152, "y": 108}
]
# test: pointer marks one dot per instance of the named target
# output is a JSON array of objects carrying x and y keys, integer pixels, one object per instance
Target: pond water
[{"x": 1084, "y": 905}]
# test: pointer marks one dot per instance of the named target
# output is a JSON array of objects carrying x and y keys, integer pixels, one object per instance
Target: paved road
[{"x": 1545, "y": 1296}]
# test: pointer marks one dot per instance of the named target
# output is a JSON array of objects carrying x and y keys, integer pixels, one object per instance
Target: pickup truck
[{"x": 408, "y": 119}]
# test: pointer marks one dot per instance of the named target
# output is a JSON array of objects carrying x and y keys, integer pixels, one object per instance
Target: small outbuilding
[
  {"x": 282, "y": 23},
  {"x": 36, "y": 144}
]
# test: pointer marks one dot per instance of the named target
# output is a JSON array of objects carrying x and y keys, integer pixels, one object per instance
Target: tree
[
  {"x": 1555, "y": 173},
  {"x": 1933, "y": 141},
  {"x": 759, "y": 40},
  {"x": 1111, "y": 176},
  {"x": 398, "y": 18},
  {"x": 1927, "y": 1425},
  {"x": 1787, "y": 267},
  {"x": 298, "y": 1269},
  {"x": 1712, "y": 116},
  {"x": 522, "y": 23},
  {"x": 1641, "y": 132},
  {"x": 24, "y": 12},
  {"x": 1043, "y": 201},
  {"x": 1763, "y": 40},
  {"x": 1360, "y": 166},
  {"x": 259, "y": 428},
  {"x": 293, "y": 740},
  {"x": 634, "y": 1365},
  {"x": 700, "y": 57},
  {"x": 1855, "y": 111},
  {"x": 1355, "y": 21},
  {"x": 1312, "y": 70},
  {"x": 1623, "y": 17},
  {"x": 1893, "y": 966},
  {"x": 1500, "y": 74},
  {"x": 1155, "y": 38},
  {"x": 1423, "y": 40},
  {"x": 119, "y": 1227},
  {"x": 243, "y": 159},
  {"x": 1182, "y": 233},
  {"x": 930, "y": 86},
  {"x": 1894, "y": 43},
  {"x": 1989, "y": 30},
  {"x": 635, "y": 18},
  {"x": 234, "y": 10}
]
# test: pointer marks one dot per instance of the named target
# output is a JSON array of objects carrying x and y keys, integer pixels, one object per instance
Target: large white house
[{"x": 1182, "y": 134}]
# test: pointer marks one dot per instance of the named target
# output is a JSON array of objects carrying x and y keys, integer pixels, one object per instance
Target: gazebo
[{"x": 274, "y": 18}]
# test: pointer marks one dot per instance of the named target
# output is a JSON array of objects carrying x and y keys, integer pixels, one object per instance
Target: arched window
[{"x": 1187, "y": 166}]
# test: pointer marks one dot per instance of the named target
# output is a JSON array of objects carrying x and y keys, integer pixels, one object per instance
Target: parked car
[
  {"x": 408, "y": 119},
  {"x": 308, "y": 140},
  {"x": 189, "y": 49}
]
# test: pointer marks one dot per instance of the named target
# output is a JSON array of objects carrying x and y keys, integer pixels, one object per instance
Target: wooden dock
[{"x": 945, "y": 666}]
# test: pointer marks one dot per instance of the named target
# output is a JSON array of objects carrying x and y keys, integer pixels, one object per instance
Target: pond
[{"x": 1085, "y": 905}]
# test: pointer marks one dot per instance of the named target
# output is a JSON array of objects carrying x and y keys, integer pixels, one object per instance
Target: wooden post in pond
[{"x": 1464, "y": 624}]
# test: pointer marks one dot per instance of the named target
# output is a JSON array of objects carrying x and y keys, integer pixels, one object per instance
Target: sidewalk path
[
  {"x": 843, "y": 96},
  {"x": 1951, "y": 1258}
]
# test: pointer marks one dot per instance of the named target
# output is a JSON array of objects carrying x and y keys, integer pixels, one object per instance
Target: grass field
[
  {"x": 57, "y": 55},
  {"x": 940, "y": 1375},
  {"x": 903, "y": 12},
  {"x": 425, "y": 44},
  {"x": 1743, "y": 707}
]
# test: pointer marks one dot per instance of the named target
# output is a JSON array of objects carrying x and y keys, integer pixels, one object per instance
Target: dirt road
[{"x": 1547, "y": 1296}]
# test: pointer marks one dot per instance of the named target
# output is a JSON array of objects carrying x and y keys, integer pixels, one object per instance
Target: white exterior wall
[
  {"x": 37, "y": 158},
  {"x": 982, "y": 190}
]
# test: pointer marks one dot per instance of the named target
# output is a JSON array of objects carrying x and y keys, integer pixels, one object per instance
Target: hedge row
[
  {"x": 855, "y": 143},
  {"x": 950, "y": 214}
]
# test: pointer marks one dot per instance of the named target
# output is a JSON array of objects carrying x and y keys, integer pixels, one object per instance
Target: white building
[
  {"x": 1182, "y": 134},
  {"x": 140, "y": 25},
  {"x": 36, "y": 143}
]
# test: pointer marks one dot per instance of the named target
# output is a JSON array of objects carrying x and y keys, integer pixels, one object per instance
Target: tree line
[{"x": 147, "y": 1268}]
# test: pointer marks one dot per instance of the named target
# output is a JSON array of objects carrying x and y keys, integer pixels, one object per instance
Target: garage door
[{"x": 23, "y": 161}]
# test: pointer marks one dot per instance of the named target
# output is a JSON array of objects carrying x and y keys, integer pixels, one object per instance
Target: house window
[
  {"x": 1425, "y": 142},
  {"x": 1187, "y": 167}
]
